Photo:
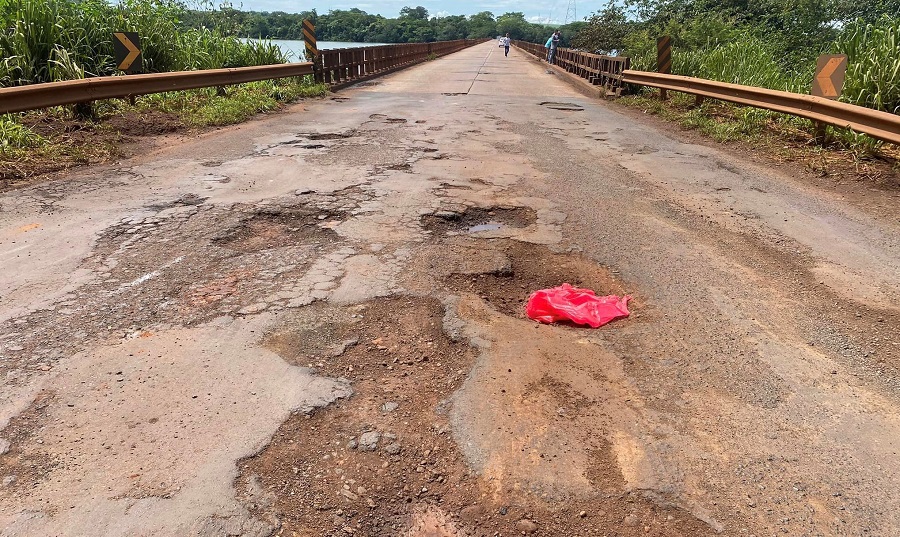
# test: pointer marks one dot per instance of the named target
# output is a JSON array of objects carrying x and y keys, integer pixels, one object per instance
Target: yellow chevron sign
[{"x": 127, "y": 47}]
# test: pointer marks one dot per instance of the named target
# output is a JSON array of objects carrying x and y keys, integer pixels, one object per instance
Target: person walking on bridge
[{"x": 506, "y": 45}]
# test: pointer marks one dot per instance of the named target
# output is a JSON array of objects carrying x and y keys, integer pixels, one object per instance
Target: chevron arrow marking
[
  {"x": 133, "y": 51},
  {"x": 824, "y": 77}
]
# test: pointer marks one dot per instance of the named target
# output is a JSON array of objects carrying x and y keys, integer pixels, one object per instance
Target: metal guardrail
[
  {"x": 342, "y": 65},
  {"x": 877, "y": 124},
  {"x": 352, "y": 64},
  {"x": 35, "y": 96},
  {"x": 597, "y": 69}
]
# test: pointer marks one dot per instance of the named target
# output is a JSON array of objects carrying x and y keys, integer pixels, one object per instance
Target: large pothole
[
  {"x": 478, "y": 219},
  {"x": 531, "y": 267},
  {"x": 383, "y": 461},
  {"x": 277, "y": 227}
]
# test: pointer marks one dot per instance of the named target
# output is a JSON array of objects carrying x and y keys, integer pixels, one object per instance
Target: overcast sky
[{"x": 554, "y": 10}]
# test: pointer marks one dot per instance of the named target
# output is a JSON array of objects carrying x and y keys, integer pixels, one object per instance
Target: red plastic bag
[{"x": 581, "y": 306}]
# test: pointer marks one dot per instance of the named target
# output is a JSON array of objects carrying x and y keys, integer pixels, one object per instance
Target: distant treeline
[{"x": 414, "y": 25}]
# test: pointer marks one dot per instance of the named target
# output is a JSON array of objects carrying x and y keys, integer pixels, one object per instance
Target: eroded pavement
[{"x": 313, "y": 324}]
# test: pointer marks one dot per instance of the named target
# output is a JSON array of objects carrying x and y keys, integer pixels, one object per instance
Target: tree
[
  {"x": 513, "y": 24},
  {"x": 605, "y": 31},
  {"x": 482, "y": 25},
  {"x": 415, "y": 13}
]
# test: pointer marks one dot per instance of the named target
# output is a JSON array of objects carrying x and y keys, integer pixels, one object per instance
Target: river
[{"x": 295, "y": 49}]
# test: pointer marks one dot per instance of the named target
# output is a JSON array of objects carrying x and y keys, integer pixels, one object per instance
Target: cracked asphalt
[{"x": 313, "y": 324}]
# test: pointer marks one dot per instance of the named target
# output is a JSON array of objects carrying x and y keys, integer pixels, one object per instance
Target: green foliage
[
  {"x": 14, "y": 136},
  {"x": 873, "y": 71},
  {"x": 605, "y": 31},
  {"x": 205, "y": 107},
  {"x": 50, "y": 40},
  {"x": 747, "y": 61},
  {"x": 414, "y": 25}
]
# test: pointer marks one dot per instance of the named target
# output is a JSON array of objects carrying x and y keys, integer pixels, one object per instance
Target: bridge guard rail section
[
  {"x": 35, "y": 96},
  {"x": 877, "y": 124},
  {"x": 344, "y": 65},
  {"x": 347, "y": 65},
  {"x": 599, "y": 70}
]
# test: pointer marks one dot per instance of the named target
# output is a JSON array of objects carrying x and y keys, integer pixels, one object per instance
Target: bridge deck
[{"x": 167, "y": 322}]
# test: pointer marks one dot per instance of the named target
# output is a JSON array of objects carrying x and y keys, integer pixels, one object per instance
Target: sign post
[
  {"x": 312, "y": 50},
  {"x": 127, "y": 46},
  {"x": 831, "y": 69},
  {"x": 664, "y": 60}
]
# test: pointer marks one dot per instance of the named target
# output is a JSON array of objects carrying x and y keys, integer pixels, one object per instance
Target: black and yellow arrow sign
[
  {"x": 309, "y": 37},
  {"x": 127, "y": 46}
]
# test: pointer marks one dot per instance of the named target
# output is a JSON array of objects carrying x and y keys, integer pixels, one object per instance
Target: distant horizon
[{"x": 552, "y": 12}]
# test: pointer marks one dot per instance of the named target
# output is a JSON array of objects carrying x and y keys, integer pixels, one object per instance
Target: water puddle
[{"x": 489, "y": 226}]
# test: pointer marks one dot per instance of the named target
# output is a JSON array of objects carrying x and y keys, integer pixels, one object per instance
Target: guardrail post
[{"x": 664, "y": 60}]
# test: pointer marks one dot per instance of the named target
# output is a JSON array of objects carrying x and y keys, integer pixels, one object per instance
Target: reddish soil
[{"x": 320, "y": 480}]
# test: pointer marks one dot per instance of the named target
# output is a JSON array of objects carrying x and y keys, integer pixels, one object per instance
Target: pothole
[
  {"x": 186, "y": 200},
  {"x": 315, "y": 136},
  {"x": 276, "y": 228},
  {"x": 385, "y": 462},
  {"x": 479, "y": 219},
  {"x": 569, "y": 107},
  {"x": 532, "y": 267}
]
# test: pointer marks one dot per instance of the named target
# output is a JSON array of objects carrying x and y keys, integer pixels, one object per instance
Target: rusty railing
[
  {"x": 341, "y": 66},
  {"x": 597, "y": 69},
  {"x": 35, "y": 96},
  {"x": 877, "y": 124},
  {"x": 347, "y": 65}
]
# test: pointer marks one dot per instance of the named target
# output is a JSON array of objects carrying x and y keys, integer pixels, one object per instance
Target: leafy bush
[
  {"x": 873, "y": 70},
  {"x": 50, "y": 40}
]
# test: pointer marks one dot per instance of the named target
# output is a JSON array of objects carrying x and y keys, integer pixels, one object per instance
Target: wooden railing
[
  {"x": 599, "y": 70},
  {"x": 349, "y": 65}
]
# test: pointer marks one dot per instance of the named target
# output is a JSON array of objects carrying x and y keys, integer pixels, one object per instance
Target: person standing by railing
[
  {"x": 506, "y": 45},
  {"x": 551, "y": 45},
  {"x": 554, "y": 43}
]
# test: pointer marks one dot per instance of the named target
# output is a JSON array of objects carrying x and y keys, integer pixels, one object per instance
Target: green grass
[
  {"x": 726, "y": 122},
  {"x": 52, "y": 40},
  {"x": 24, "y": 152},
  {"x": 15, "y": 137},
  {"x": 204, "y": 107}
]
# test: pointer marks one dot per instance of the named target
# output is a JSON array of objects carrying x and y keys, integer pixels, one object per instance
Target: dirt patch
[
  {"x": 275, "y": 228},
  {"x": 21, "y": 469},
  {"x": 383, "y": 463},
  {"x": 475, "y": 219},
  {"x": 150, "y": 123},
  {"x": 604, "y": 471}
]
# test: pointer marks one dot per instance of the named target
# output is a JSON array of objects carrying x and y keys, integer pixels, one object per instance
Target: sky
[{"x": 535, "y": 10}]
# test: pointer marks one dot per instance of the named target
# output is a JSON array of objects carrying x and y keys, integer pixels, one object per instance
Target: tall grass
[
  {"x": 747, "y": 60},
  {"x": 873, "y": 71},
  {"x": 50, "y": 40}
]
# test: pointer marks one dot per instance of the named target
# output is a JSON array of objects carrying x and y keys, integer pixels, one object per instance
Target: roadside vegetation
[
  {"x": 58, "y": 40},
  {"x": 413, "y": 25},
  {"x": 767, "y": 43}
]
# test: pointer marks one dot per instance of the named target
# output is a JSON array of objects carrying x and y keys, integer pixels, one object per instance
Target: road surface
[{"x": 313, "y": 324}]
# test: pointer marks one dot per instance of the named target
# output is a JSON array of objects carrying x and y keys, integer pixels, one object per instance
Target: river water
[{"x": 296, "y": 49}]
